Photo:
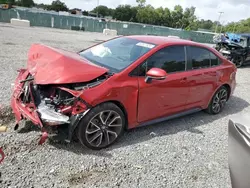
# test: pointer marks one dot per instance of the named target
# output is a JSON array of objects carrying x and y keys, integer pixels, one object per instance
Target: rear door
[{"x": 202, "y": 75}]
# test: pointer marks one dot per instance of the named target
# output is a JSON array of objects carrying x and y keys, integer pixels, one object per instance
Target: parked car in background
[
  {"x": 120, "y": 84},
  {"x": 235, "y": 49}
]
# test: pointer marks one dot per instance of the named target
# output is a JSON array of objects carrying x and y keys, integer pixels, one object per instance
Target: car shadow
[{"x": 141, "y": 134}]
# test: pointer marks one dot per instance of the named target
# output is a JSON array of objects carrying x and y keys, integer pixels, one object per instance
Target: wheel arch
[
  {"x": 121, "y": 106},
  {"x": 225, "y": 85}
]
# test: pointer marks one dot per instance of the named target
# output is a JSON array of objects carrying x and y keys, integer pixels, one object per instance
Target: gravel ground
[{"x": 185, "y": 152}]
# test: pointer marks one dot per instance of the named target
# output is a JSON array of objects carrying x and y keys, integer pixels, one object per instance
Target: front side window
[
  {"x": 117, "y": 54},
  {"x": 171, "y": 59},
  {"x": 200, "y": 57}
]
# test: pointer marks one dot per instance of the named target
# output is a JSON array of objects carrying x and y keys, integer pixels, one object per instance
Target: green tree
[
  {"x": 159, "y": 17},
  {"x": 205, "y": 24},
  {"x": 85, "y": 13},
  {"x": 189, "y": 20},
  {"x": 243, "y": 26},
  {"x": 177, "y": 17},
  {"x": 141, "y": 3},
  {"x": 3, "y": 1},
  {"x": 58, "y": 6},
  {"x": 125, "y": 13},
  {"x": 102, "y": 10},
  {"x": 148, "y": 15},
  {"x": 43, "y": 6},
  {"x": 25, "y": 3},
  {"x": 12, "y": 2},
  {"x": 167, "y": 18}
]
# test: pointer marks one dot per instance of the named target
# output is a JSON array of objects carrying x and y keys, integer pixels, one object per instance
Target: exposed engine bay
[{"x": 57, "y": 104}]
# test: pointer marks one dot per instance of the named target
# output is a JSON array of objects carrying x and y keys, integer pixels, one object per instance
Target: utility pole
[{"x": 220, "y": 13}]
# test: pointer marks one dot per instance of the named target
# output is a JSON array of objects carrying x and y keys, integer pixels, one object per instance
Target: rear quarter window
[
  {"x": 202, "y": 58},
  {"x": 214, "y": 60}
]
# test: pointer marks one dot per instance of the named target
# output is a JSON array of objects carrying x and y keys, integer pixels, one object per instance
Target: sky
[{"x": 234, "y": 10}]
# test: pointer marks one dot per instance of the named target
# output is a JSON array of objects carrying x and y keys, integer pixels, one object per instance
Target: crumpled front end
[{"x": 49, "y": 105}]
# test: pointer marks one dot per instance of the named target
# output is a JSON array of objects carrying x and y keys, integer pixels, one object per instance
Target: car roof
[{"x": 162, "y": 40}]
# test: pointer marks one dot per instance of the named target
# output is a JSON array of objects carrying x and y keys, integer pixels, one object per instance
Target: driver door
[{"x": 161, "y": 98}]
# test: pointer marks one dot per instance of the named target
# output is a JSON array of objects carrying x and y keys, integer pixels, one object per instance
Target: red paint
[
  {"x": 54, "y": 66},
  {"x": 156, "y": 73},
  {"x": 141, "y": 101},
  {"x": 162, "y": 97},
  {"x": 43, "y": 138},
  {"x": 2, "y": 155}
]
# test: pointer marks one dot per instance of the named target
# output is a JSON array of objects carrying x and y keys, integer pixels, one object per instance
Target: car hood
[{"x": 55, "y": 66}]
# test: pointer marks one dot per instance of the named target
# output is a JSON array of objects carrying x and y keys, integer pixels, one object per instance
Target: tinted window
[
  {"x": 200, "y": 57},
  {"x": 170, "y": 59},
  {"x": 214, "y": 59}
]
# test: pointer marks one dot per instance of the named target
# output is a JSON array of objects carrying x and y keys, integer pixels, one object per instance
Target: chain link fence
[{"x": 51, "y": 19}]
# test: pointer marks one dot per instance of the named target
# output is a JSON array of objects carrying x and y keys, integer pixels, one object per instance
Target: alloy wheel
[
  {"x": 219, "y": 100},
  {"x": 103, "y": 128}
]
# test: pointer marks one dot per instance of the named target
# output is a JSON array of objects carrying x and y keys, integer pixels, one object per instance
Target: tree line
[{"x": 147, "y": 14}]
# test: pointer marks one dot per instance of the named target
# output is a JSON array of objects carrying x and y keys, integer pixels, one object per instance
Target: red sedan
[{"x": 120, "y": 84}]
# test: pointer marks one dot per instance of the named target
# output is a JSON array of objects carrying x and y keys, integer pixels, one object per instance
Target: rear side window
[
  {"x": 200, "y": 57},
  {"x": 214, "y": 60}
]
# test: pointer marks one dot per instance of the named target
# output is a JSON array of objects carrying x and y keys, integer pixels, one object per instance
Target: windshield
[{"x": 117, "y": 54}]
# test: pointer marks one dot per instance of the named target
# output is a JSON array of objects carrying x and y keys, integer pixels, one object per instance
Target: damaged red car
[{"x": 120, "y": 84}]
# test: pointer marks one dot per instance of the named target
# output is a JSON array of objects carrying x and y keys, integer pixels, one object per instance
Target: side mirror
[{"x": 155, "y": 74}]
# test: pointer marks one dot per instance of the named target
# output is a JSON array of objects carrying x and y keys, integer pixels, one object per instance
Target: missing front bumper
[
  {"x": 50, "y": 117},
  {"x": 26, "y": 103}
]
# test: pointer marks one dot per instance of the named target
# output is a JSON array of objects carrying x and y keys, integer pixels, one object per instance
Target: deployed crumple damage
[
  {"x": 54, "y": 66},
  {"x": 49, "y": 91},
  {"x": 50, "y": 115}
]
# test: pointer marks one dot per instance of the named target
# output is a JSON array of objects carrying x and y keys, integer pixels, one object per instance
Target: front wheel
[
  {"x": 218, "y": 101},
  {"x": 238, "y": 61},
  {"x": 102, "y": 126}
]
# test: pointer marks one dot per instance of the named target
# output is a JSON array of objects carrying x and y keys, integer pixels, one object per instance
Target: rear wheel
[
  {"x": 102, "y": 126},
  {"x": 218, "y": 101}
]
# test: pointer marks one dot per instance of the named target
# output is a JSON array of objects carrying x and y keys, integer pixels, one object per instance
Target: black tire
[
  {"x": 109, "y": 131},
  {"x": 222, "y": 94},
  {"x": 238, "y": 61}
]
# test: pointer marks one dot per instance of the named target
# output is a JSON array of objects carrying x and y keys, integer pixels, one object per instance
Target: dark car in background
[{"x": 235, "y": 49}]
